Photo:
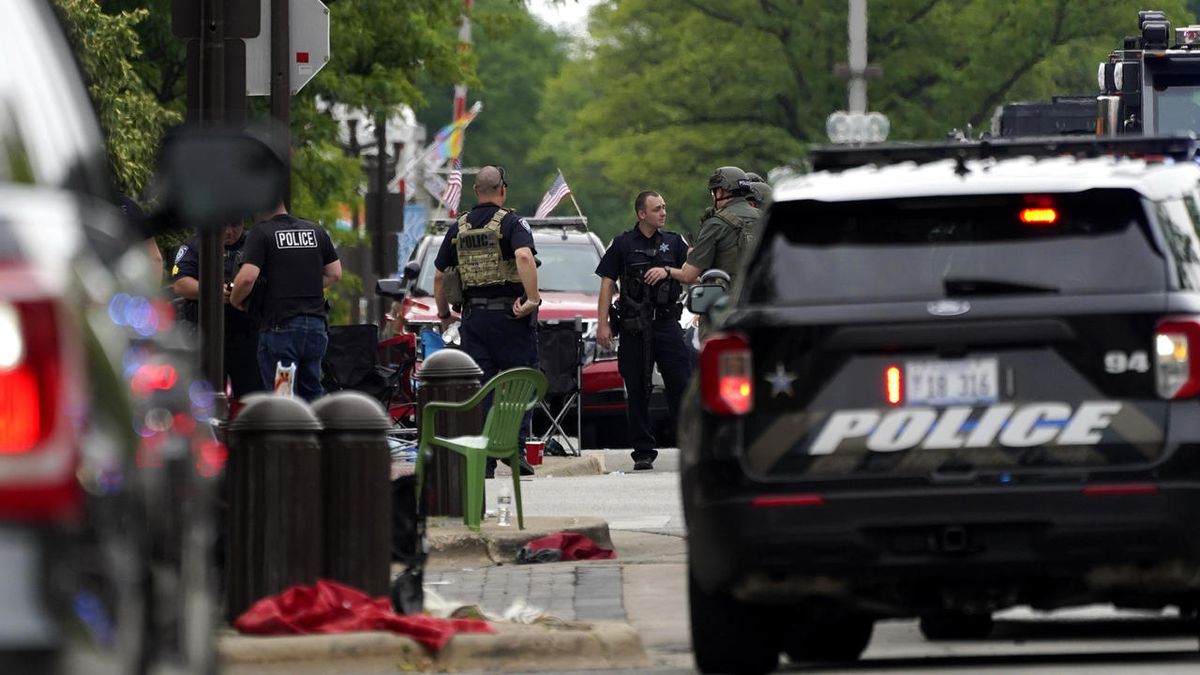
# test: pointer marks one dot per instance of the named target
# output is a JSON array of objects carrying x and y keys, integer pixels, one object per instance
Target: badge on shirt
[
  {"x": 664, "y": 248},
  {"x": 180, "y": 253}
]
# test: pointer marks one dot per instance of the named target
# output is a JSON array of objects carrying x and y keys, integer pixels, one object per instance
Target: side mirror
[
  {"x": 703, "y": 297},
  {"x": 391, "y": 288},
  {"x": 209, "y": 177},
  {"x": 412, "y": 270}
]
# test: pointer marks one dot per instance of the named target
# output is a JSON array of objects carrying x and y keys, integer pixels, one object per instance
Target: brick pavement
[{"x": 589, "y": 592}]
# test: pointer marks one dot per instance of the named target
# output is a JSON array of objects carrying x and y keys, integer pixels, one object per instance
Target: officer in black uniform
[
  {"x": 241, "y": 332},
  {"x": 287, "y": 265},
  {"x": 486, "y": 264},
  {"x": 645, "y": 261}
]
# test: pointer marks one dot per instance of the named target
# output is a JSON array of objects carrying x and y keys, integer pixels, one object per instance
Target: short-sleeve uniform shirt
[
  {"x": 187, "y": 264},
  {"x": 669, "y": 249},
  {"x": 515, "y": 233}
]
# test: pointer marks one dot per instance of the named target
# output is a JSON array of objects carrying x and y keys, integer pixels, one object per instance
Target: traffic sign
[{"x": 308, "y": 40}]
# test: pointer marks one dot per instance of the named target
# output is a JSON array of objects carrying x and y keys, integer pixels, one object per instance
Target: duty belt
[{"x": 491, "y": 303}]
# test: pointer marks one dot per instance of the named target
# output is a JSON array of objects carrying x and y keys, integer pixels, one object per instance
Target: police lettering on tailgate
[
  {"x": 1005, "y": 424},
  {"x": 296, "y": 239}
]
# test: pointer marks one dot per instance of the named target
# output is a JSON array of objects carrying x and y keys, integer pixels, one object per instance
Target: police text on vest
[{"x": 296, "y": 239}]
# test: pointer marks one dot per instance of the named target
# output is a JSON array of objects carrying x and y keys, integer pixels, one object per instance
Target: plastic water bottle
[{"x": 504, "y": 506}]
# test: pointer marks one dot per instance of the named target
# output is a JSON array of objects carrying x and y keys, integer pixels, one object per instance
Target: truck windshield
[
  {"x": 929, "y": 248},
  {"x": 1176, "y": 103}
]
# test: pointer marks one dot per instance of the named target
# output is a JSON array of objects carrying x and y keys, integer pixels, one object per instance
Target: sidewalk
[{"x": 585, "y": 624}]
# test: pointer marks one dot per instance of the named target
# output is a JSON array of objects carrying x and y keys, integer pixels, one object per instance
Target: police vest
[
  {"x": 480, "y": 260},
  {"x": 635, "y": 293}
]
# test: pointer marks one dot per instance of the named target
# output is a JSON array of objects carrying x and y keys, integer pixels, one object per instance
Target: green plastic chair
[{"x": 514, "y": 392}]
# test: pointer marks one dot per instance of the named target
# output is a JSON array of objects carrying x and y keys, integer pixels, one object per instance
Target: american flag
[
  {"x": 453, "y": 187},
  {"x": 558, "y": 190}
]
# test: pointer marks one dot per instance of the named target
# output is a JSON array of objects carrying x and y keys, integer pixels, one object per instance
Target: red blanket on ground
[
  {"x": 562, "y": 546},
  {"x": 330, "y": 607}
]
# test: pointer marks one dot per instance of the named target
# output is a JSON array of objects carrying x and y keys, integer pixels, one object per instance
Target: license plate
[{"x": 959, "y": 382}]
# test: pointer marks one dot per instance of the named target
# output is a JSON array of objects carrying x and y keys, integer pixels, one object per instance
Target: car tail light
[
  {"x": 1176, "y": 359},
  {"x": 726, "y": 375},
  {"x": 772, "y": 501},
  {"x": 1120, "y": 490},
  {"x": 1039, "y": 216},
  {"x": 30, "y": 375}
]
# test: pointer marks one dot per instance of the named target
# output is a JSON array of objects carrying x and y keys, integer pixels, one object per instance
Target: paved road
[{"x": 644, "y": 513}]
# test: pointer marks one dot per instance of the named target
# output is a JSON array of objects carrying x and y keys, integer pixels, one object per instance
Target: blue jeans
[{"x": 300, "y": 340}]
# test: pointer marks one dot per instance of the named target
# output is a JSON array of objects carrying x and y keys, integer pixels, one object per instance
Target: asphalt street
[{"x": 643, "y": 511}]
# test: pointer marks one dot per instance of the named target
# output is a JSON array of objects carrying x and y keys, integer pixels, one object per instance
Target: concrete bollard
[
  {"x": 274, "y": 516},
  {"x": 357, "y": 503},
  {"x": 448, "y": 375}
]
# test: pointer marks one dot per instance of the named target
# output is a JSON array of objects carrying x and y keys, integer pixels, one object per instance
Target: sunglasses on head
[{"x": 503, "y": 177}]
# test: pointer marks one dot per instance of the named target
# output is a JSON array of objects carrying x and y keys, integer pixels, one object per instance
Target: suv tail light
[
  {"x": 30, "y": 375},
  {"x": 726, "y": 375},
  {"x": 1177, "y": 357},
  {"x": 37, "y": 460}
]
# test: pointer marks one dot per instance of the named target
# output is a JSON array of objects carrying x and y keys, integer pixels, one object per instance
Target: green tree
[
  {"x": 668, "y": 90},
  {"x": 516, "y": 56},
  {"x": 131, "y": 117}
]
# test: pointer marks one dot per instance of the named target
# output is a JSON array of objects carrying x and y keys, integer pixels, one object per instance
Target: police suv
[{"x": 953, "y": 379}]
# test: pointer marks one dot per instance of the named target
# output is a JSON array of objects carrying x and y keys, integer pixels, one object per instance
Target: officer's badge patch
[
  {"x": 180, "y": 253},
  {"x": 525, "y": 224},
  {"x": 663, "y": 247}
]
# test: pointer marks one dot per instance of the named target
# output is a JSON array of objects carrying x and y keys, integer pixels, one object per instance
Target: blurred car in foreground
[
  {"x": 106, "y": 458},
  {"x": 953, "y": 379}
]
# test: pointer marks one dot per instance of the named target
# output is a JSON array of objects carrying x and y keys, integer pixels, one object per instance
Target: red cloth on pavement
[
  {"x": 330, "y": 607},
  {"x": 563, "y": 546}
]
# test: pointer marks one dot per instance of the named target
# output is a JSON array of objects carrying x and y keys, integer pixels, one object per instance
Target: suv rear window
[{"x": 922, "y": 248}]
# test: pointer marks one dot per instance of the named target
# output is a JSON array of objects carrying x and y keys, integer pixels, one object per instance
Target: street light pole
[{"x": 212, "y": 250}]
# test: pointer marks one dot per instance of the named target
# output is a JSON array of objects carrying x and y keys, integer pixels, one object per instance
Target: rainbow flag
[{"x": 448, "y": 142}]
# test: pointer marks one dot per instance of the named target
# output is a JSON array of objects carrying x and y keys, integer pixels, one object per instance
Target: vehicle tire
[
  {"x": 948, "y": 625},
  {"x": 729, "y": 636},
  {"x": 835, "y": 638}
]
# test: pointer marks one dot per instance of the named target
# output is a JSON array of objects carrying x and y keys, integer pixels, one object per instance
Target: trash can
[
  {"x": 356, "y": 500},
  {"x": 448, "y": 375},
  {"x": 273, "y": 522}
]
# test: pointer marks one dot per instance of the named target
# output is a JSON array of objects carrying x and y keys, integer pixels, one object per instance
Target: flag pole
[{"x": 571, "y": 194}]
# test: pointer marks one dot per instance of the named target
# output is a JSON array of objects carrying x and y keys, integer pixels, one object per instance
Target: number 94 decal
[{"x": 1117, "y": 362}]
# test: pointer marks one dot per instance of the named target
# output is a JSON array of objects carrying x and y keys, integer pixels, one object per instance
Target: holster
[{"x": 614, "y": 319}]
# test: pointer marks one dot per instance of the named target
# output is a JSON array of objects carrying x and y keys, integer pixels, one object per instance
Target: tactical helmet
[
  {"x": 755, "y": 178},
  {"x": 760, "y": 191},
  {"x": 730, "y": 178}
]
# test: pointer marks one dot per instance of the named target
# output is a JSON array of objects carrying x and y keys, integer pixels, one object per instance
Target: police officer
[
  {"x": 643, "y": 262},
  {"x": 287, "y": 264},
  {"x": 760, "y": 191},
  {"x": 727, "y": 232},
  {"x": 241, "y": 332},
  {"x": 486, "y": 265}
]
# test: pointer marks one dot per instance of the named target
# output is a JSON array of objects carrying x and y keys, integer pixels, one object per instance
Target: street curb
[
  {"x": 562, "y": 467},
  {"x": 451, "y": 543},
  {"x": 512, "y": 648}
]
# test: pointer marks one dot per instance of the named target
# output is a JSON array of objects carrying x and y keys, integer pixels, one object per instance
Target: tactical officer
[
  {"x": 486, "y": 265},
  {"x": 643, "y": 261},
  {"x": 728, "y": 231},
  {"x": 241, "y": 332},
  {"x": 287, "y": 264},
  {"x": 760, "y": 191}
]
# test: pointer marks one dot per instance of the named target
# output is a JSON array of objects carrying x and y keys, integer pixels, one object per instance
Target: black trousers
[
  {"x": 499, "y": 341},
  {"x": 674, "y": 360}
]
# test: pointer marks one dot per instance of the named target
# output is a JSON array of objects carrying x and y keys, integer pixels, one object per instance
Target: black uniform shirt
[
  {"x": 187, "y": 264},
  {"x": 515, "y": 233},
  {"x": 670, "y": 249},
  {"x": 291, "y": 254}
]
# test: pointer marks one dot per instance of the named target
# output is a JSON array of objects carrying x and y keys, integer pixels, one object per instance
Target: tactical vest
[
  {"x": 480, "y": 260},
  {"x": 636, "y": 295},
  {"x": 742, "y": 219}
]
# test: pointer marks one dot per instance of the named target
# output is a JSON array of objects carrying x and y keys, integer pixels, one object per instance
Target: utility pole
[
  {"x": 212, "y": 250},
  {"x": 281, "y": 91},
  {"x": 857, "y": 28},
  {"x": 378, "y": 203}
]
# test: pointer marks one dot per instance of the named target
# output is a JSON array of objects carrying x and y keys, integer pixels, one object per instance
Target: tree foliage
[
  {"x": 131, "y": 117},
  {"x": 516, "y": 55},
  {"x": 668, "y": 90}
]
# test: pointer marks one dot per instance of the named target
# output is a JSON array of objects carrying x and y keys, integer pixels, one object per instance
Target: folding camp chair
[
  {"x": 560, "y": 357},
  {"x": 351, "y": 362}
]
